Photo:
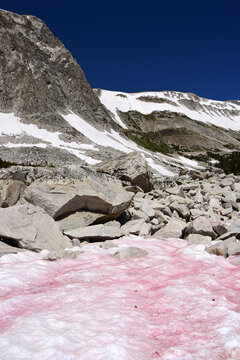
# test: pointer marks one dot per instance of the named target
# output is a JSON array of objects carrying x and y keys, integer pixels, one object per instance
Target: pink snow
[{"x": 176, "y": 303}]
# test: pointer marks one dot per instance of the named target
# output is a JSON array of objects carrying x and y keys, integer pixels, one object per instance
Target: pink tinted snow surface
[{"x": 176, "y": 303}]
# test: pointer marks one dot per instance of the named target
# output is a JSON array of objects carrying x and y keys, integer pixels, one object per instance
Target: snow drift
[{"x": 178, "y": 302}]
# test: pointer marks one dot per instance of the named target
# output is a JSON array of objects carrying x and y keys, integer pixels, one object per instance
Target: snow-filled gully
[{"x": 176, "y": 303}]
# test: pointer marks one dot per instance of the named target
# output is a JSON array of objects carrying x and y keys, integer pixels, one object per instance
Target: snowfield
[
  {"x": 177, "y": 303},
  {"x": 12, "y": 125},
  {"x": 172, "y": 101}
]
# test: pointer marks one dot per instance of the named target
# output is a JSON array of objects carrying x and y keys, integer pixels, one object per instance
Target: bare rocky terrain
[
  {"x": 55, "y": 209},
  {"x": 80, "y": 165}
]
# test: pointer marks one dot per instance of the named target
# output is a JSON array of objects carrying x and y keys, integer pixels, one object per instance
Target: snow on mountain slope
[
  {"x": 12, "y": 126},
  {"x": 116, "y": 141},
  {"x": 176, "y": 303},
  {"x": 225, "y": 114},
  {"x": 48, "y": 106}
]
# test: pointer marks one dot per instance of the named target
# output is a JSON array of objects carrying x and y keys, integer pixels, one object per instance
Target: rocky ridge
[
  {"x": 172, "y": 122},
  {"x": 34, "y": 62},
  {"x": 41, "y": 82},
  {"x": 59, "y": 209}
]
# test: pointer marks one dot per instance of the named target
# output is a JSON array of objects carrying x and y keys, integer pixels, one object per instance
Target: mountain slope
[
  {"x": 182, "y": 121},
  {"x": 38, "y": 74},
  {"x": 39, "y": 82},
  {"x": 50, "y": 115}
]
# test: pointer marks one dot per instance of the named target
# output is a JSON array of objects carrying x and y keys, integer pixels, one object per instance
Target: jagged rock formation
[
  {"x": 40, "y": 81},
  {"x": 40, "y": 78}
]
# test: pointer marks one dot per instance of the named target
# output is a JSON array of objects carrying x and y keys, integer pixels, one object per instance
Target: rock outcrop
[
  {"x": 11, "y": 192},
  {"x": 57, "y": 199},
  {"x": 30, "y": 227},
  {"x": 132, "y": 167},
  {"x": 39, "y": 76},
  {"x": 41, "y": 83},
  {"x": 95, "y": 233}
]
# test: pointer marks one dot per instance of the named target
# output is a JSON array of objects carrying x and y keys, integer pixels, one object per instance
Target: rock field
[{"x": 59, "y": 208}]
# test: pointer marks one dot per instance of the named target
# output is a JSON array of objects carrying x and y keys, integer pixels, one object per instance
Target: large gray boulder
[
  {"x": 199, "y": 239},
  {"x": 225, "y": 248},
  {"x": 101, "y": 195},
  {"x": 30, "y": 227},
  {"x": 11, "y": 193},
  {"x": 145, "y": 230},
  {"x": 233, "y": 230},
  {"x": 62, "y": 254},
  {"x": 132, "y": 167},
  {"x": 8, "y": 249},
  {"x": 217, "y": 249},
  {"x": 133, "y": 226},
  {"x": 77, "y": 220},
  {"x": 176, "y": 190},
  {"x": 130, "y": 252},
  {"x": 181, "y": 209},
  {"x": 96, "y": 232},
  {"x": 202, "y": 226},
  {"x": 147, "y": 209},
  {"x": 173, "y": 229},
  {"x": 233, "y": 248}
]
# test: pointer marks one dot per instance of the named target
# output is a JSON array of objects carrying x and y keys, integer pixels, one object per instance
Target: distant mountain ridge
[
  {"x": 182, "y": 121},
  {"x": 50, "y": 115},
  {"x": 219, "y": 113}
]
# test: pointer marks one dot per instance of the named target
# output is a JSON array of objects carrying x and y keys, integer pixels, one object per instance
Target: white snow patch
[
  {"x": 213, "y": 161},
  {"x": 102, "y": 138},
  {"x": 12, "y": 145},
  {"x": 111, "y": 139},
  {"x": 159, "y": 168},
  {"x": 189, "y": 162},
  {"x": 12, "y": 125}
]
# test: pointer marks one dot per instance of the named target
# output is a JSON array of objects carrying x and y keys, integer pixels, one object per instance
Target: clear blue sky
[{"x": 130, "y": 45}]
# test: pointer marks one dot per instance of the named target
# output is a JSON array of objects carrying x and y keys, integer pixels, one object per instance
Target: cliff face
[
  {"x": 39, "y": 77},
  {"x": 40, "y": 83}
]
